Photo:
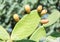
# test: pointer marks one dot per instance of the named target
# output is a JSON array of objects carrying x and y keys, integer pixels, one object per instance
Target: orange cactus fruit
[
  {"x": 27, "y": 8},
  {"x": 16, "y": 17},
  {"x": 39, "y": 8},
  {"x": 43, "y": 12},
  {"x": 44, "y": 21}
]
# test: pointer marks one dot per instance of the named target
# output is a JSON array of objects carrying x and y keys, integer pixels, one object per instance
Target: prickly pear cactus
[{"x": 8, "y": 9}]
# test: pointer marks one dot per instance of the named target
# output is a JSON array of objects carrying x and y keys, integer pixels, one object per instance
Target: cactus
[{"x": 8, "y": 8}]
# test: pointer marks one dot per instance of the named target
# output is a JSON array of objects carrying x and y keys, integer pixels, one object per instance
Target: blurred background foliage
[{"x": 10, "y": 7}]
